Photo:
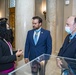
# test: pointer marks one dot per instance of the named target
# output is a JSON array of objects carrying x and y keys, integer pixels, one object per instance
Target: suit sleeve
[
  {"x": 49, "y": 44},
  {"x": 14, "y": 52},
  {"x": 26, "y": 52},
  {"x": 6, "y": 59},
  {"x": 61, "y": 49},
  {"x": 59, "y": 54}
]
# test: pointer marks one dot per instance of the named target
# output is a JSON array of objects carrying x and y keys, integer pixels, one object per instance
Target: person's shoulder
[
  {"x": 1, "y": 39},
  {"x": 46, "y": 30},
  {"x": 68, "y": 35},
  {"x": 30, "y": 30}
]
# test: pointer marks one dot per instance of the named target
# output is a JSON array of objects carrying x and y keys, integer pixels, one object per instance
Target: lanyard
[{"x": 10, "y": 46}]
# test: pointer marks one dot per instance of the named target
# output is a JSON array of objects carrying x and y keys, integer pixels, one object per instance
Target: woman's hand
[{"x": 19, "y": 53}]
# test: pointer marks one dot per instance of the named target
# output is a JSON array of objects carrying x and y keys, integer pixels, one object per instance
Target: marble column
[
  {"x": 51, "y": 21},
  {"x": 59, "y": 24},
  {"x": 25, "y": 10}
]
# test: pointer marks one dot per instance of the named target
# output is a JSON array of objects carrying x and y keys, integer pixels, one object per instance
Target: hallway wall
[
  {"x": 62, "y": 13},
  {"x": 2, "y": 8},
  {"x": 4, "y": 11},
  {"x": 23, "y": 21},
  {"x": 59, "y": 24},
  {"x": 39, "y": 10}
]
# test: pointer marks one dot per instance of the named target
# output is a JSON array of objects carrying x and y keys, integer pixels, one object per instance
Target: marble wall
[
  {"x": 23, "y": 22},
  {"x": 40, "y": 6},
  {"x": 4, "y": 8},
  {"x": 57, "y": 13},
  {"x": 51, "y": 20}
]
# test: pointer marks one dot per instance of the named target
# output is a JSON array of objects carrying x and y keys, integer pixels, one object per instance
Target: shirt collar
[
  {"x": 72, "y": 36},
  {"x": 38, "y": 29}
]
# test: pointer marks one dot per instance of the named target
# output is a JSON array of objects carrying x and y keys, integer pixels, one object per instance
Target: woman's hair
[
  {"x": 4, "y": 33},
  {"x": 3, "y": 22}
]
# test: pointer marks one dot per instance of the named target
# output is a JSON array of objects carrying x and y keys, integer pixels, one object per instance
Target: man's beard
[{"x": 35, "y": 28}]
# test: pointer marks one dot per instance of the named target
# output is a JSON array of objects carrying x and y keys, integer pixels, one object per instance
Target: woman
[{"x": 7, "y": 57}]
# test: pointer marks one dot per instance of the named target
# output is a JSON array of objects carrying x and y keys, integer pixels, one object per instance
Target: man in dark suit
[
  {"x": 38, "y": 41},
  {"x": 68, "y": 48}
]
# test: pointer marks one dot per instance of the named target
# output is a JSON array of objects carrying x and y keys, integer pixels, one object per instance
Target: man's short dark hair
[{"x": 37, "y": 17}]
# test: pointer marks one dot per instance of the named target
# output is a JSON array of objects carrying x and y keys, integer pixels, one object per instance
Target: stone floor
[{"x": 51, "y": 67}]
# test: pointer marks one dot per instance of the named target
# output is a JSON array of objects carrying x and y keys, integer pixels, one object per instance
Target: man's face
[
  {"x": 70, "y": 23},
  {"x": 36, "y": 24}
]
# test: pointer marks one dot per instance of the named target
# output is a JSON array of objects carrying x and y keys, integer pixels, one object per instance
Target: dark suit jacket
[
  {"x": 6, "y": 59},
  {"x": 68, "y": 50},
  {"x": 44, "y": 44}
]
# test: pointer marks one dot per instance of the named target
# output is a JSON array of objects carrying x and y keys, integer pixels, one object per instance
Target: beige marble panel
[
  {"x": 25, "y": 10},
  {"x": 2, "y": 8},
  {"x": 51, "y": 21},
  {"x": 39, "y": 8},
  {"x": 59, "y": 24}
]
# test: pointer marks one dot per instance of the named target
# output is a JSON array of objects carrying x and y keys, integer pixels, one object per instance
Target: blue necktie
[{"x": 35, "y": 37}]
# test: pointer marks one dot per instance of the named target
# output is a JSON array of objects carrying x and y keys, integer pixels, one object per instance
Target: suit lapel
[
  {"x": 40, "y": 37},
  {"x": 32, "y": 32},
  {"x": 70, "y": 43}
]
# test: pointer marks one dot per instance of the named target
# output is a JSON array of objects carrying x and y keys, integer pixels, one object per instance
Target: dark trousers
[{"x": 38, "y": 67}]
